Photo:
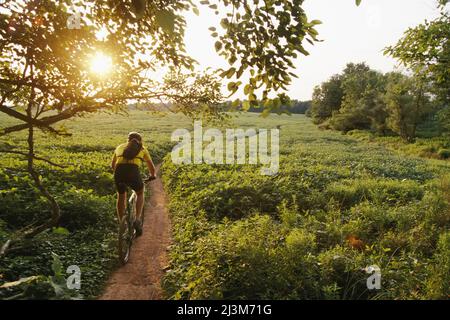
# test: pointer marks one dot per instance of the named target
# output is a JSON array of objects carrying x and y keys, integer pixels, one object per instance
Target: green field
[{"x": 337, "y": 206}]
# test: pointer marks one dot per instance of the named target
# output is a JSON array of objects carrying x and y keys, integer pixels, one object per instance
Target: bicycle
[{"x": 127, "y": 230}]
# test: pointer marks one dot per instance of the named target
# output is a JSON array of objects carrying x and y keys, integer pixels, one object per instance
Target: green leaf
[
  {"x": 358, "y": 2},
  {"x": 218, "y": 45},
  {"x": 246, "y": 89},
  {"x": 231, "y": 85},
  {"x": 302, "y": 50},
  {"x": 223, "y": 74},
  {"x": 61, "y": 230},
  {"x": 230, "y": 72},
  {"x": 138, "y": 7},
  {"x": 224, "y": 23},
  {"x": 313, "y": 32},
  {"x": 166, "y": 20},
  {"x": 315, "y": 22}
]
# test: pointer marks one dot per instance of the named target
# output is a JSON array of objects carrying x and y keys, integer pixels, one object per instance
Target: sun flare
[
  {"x": 101, "y": 64},
  {"x": 102, "y": 34}
]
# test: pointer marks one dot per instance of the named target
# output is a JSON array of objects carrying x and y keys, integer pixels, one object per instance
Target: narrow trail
[{"x": 140, "y": 278}]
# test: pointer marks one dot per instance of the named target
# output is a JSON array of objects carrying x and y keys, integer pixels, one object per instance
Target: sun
[{"x": 101, "y": 64}]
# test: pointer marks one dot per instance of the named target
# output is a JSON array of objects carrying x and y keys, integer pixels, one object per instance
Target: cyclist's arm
[
  {"x": 150, "y": 165},
  {"x": 113, "y": 162}
]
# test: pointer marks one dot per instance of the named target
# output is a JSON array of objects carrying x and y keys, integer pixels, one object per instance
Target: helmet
[{"x": 134, "y": 135}]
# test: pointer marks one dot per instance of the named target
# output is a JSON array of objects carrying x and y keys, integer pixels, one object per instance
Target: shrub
[
  {"x": 81, "y": 209},
  {"x": 237, "y": 264},
  {"x": 438, "y": 282},
  {"x": 351, "y": 192},
  {"x": 444, "y": 153}
]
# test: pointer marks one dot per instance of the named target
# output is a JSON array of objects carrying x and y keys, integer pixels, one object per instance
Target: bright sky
[{"x": 350, "y": 34}]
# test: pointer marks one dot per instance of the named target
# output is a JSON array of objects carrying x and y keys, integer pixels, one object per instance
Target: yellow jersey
[{"x": 142, "y": 155}]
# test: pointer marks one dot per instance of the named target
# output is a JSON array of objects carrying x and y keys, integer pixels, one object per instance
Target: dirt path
[{"x": 140, "y": 278}]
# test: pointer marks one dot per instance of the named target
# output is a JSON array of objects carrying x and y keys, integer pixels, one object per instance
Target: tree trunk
[
  {"x": 417, "y": 113},
  {"x": 55, "y": 210},
  {"x": 32, "y": 230}
]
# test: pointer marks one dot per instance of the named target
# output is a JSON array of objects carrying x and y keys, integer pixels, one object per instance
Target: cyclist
[{"x": 126, "y": 161}]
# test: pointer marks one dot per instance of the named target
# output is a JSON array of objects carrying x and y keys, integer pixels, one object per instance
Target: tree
[
  {"x": 362, "y": 106},
  {"x": 300, "y": 107},
  {"x": 373, "y": 102},
  {"x": 365, "y": 99},
  {"x": 326, "y": 99},
  {"x": 351, "y": 114},
  {"x": 351, "y": 100},
  {"x": 407, "y": 103},
  {"x": 425, "y": 49},
  {"x": 45, "y": 79},
  {"x": 444, "y": 118}
]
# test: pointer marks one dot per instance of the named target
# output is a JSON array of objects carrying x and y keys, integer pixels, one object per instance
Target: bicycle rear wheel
[
  {"x": 124, "y": 240},
  {"x": 136, "y": 223}
]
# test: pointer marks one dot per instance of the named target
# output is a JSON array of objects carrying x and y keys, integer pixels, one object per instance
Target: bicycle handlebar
[{"x": 150, "y": 178}]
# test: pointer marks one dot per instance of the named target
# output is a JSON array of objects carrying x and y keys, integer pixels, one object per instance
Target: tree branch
[
  {"x": 21, "y": 127},
  {"x": 34, "y": 156}
]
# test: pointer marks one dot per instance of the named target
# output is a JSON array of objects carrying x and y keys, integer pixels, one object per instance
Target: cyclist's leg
[
  {"x": 137, "y": 185},
  {"x": 121, "y": 187},
  {"x": 121, "y": 204}
]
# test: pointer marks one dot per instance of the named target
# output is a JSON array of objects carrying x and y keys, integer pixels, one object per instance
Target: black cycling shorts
[{"x": 127, "y": 175}]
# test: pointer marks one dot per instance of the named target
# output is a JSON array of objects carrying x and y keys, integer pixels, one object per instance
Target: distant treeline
[
  {"x": 365, "y": 99},
  {"x": 296, "y": 107}
]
